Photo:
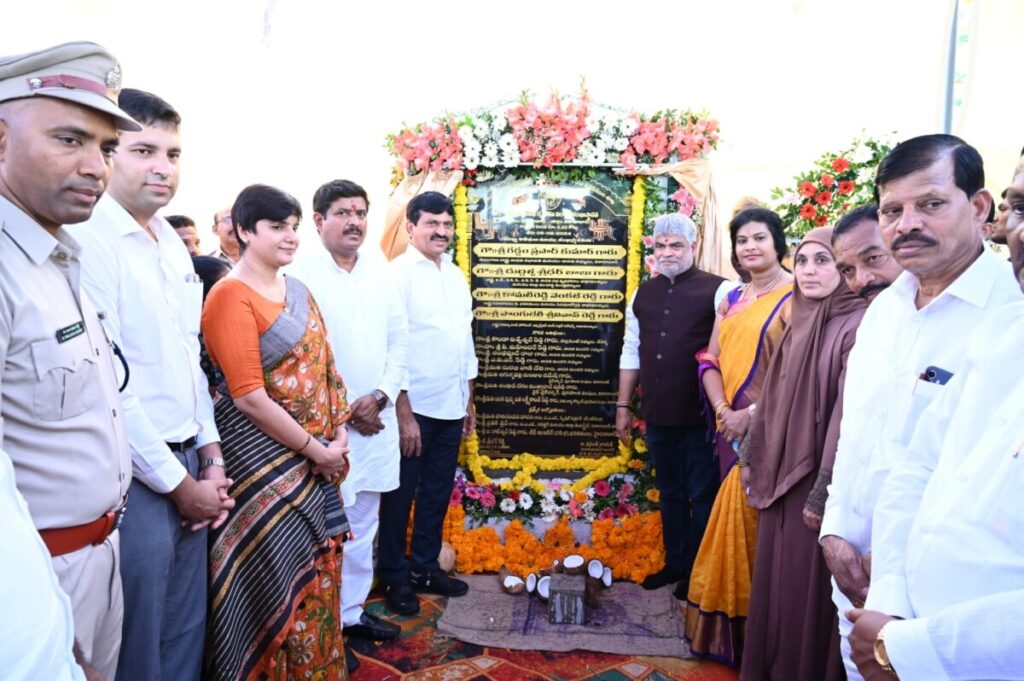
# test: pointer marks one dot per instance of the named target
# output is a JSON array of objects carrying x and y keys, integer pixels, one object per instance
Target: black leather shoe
[
  {"x": 351, "y": 661},
  {"x": 437, "y": 582},
  {"x": 402, "y": 599},
  {"x": 373, "y": 628},
  {"x": 662, "y": 577}
]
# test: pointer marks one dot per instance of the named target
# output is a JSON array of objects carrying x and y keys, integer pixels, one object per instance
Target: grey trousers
[{"x": 164, "y": 575}]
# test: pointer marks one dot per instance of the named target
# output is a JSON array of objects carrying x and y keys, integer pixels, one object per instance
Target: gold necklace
[{"x": 769, "y": 287}]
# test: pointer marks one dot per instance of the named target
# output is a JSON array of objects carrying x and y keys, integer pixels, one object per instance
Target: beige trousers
[{"x": 92, "y": 579}]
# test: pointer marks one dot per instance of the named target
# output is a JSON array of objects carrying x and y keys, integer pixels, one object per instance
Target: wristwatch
[
  {"x": 214, "y": 461},
  {"x": 381, "y": 397},
  {"x": 881, "y": 657}
]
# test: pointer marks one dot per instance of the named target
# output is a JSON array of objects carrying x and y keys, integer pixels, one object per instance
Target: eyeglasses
[{"x": 225, "y": 220}]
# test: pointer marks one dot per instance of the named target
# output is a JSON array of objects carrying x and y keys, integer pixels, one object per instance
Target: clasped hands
[{"x": 366, "y": 416}]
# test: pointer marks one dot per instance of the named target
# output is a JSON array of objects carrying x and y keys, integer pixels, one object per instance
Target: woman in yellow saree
[{"x": 732, "y": 371}]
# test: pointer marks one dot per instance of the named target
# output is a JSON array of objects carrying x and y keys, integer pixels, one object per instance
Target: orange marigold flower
[
  {"x": 653, "y": 495},
  {"x": 637, "y": 464}
]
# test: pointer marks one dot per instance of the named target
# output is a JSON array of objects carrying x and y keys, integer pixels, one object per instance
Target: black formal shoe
[
  {"x": 662, "y": 577},
  {"x": 351, "y": 661},
  {"x": 402, "y": 599},
  {"x": 373, "y": 628},
  {"x": 437, "y": 582},
  {"x": 682, "y": 590}
]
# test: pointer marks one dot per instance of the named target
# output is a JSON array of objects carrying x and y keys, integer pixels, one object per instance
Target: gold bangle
[{"x": 305, "y": 444}]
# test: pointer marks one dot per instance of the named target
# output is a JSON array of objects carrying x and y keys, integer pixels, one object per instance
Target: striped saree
[
  {"x": 275, "y": 566},
  {"x": 718, "y": 598}
]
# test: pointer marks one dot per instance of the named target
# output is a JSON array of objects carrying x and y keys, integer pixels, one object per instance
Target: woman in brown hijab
[{"x": 791, "y": 630}]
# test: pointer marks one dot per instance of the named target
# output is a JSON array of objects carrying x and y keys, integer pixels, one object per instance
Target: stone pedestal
[{"x": 566, "y": 604}]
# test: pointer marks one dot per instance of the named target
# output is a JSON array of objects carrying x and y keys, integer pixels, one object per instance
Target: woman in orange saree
[
  {"x": 732, "y": 372},
  {"x": 275, "y": 566}
]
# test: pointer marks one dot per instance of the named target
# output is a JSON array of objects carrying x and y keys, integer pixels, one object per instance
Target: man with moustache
[
  {"x": 60, "y": 418},
  {"x": 863, "y": 261},
  {"x": 224, "y": 231},
  {"x": 434, "y": 409},
  {"x": 139, "y": 274},
  {"x": 932, "y": 203},
  {"x": 948, "y": 571},
  {"x": 658, "y": 345},
  {"x": 367, "y": 330}
]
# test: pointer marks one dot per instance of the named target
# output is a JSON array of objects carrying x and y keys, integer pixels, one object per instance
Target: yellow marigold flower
[
  {"x": 640, "y": 445},
  {"x": 653, "y": 495}
]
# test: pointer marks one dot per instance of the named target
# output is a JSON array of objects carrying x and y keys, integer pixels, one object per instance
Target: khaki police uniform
[{"x": 60, "y": 414}]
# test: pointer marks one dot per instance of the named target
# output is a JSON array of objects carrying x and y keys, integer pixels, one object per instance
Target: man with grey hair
[{"x": 668, "y": 321}]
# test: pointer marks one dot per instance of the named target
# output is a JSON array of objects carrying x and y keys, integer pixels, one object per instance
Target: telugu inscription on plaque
[{"x": 548, "y": 278}]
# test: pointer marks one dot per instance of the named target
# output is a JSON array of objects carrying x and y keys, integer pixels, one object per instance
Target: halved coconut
[
  {"x": 595, "y": 568},
  {"x": 510, "y": 583},
  {"x": 606, "y": 577},
  {"x": 531, "y": 582},
  {"x": 573, "y": 564},
  {"x": 544, "y": 587}
]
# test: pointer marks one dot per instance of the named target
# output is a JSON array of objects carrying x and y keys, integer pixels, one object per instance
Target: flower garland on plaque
[{"x": 564, "y": 139}]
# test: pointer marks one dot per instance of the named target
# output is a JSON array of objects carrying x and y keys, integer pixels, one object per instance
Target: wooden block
[{"x": 566, "y": 605}]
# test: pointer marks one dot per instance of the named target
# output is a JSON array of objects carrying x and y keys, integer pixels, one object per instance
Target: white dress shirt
[
  {"x": 36, "y": 630},
  {"x": 368, "y": 334},
  {"x": 439, "y": 311},
  {"x": 948, "y": 548},
  {"x": 884, "y": 395},
  {"x": 152, "y": 299}
]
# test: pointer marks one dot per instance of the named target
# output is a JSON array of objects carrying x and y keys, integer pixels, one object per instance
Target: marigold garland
[
  {"x": 631, "y": 547},
  {"x": 636, "y": 234}
]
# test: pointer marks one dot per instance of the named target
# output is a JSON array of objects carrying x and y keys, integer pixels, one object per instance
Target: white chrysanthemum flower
[
  {"x": 507, "y": 505},
  {"x": 510, "y": 159},
  {"x": 866, "y": 175},
  {"x": 565, "y": 495},
  {"x": 526, "y": 502},
  {"x": 499, "y": 123},
  {"x": 490, "y": 149},
  {"x": 628, "y": 126},
  {"x": 620, "y": 143},
  {"x": 470, "y": 161},
  {"x": 470, "y": 145},
  {"x": 508, "y": 141}
]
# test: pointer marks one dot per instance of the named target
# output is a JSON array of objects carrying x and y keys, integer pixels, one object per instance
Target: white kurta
[
  {"x": 948, "y": 547},
  {"x": 367, "y": 331}
]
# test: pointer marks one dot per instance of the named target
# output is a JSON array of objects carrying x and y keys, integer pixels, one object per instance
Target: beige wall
[{"x": 313, "y": 98}]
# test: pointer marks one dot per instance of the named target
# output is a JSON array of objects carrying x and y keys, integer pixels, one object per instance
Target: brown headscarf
[{"x": 788, "y": 435}]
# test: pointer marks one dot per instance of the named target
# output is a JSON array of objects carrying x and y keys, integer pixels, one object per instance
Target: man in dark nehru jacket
[
  {"x": 61, "y": 420},
  {"x": 668, "y": 321}
]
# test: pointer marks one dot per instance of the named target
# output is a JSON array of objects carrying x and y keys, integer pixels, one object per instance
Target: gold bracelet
[{"x": 305, "y": 444}]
